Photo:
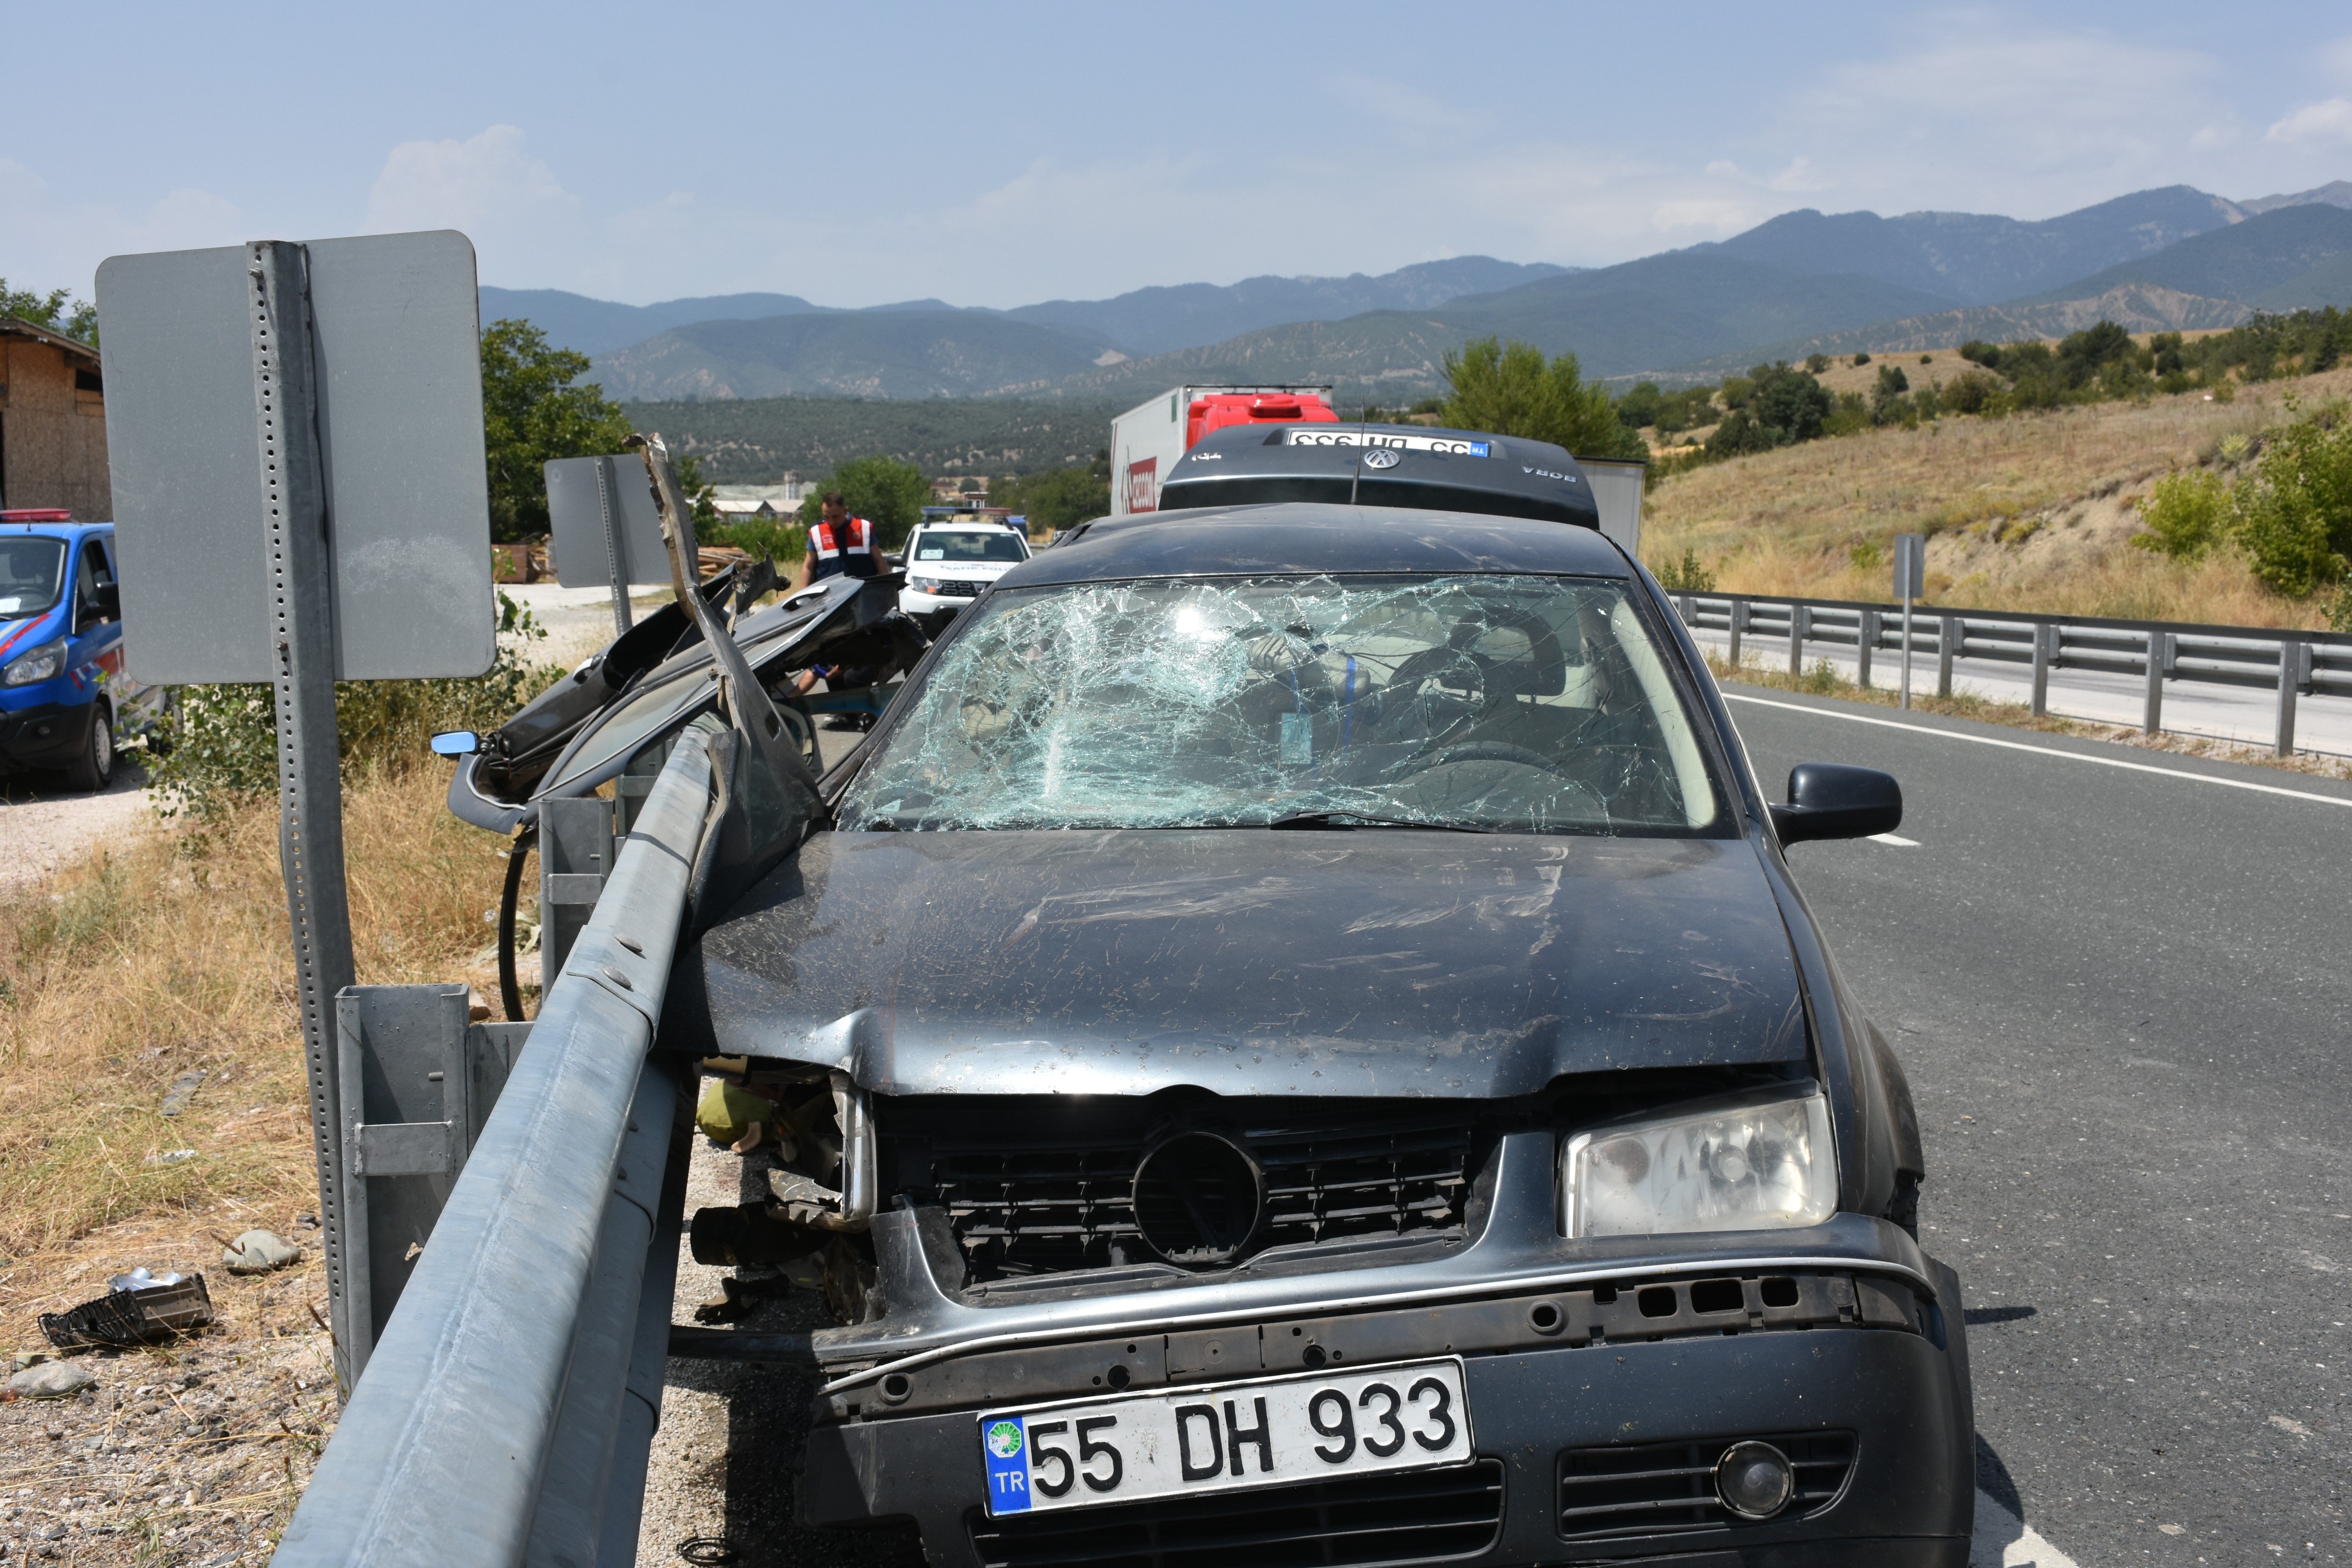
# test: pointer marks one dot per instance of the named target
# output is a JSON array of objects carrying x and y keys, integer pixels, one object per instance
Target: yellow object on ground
[{"x": 726, "y": 1112}]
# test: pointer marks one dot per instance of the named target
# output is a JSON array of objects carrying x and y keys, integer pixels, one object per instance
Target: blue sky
[{"x": 1003, "y": 154}]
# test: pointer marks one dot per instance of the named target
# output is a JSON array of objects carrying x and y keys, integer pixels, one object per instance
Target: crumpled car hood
[{"x": 1370, "y": 962}]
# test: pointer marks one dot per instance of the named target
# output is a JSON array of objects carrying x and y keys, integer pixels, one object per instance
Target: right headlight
[
  {"x": 924, "y": 585},
  {"x": 42, "y": 663},
  {"x": 1749, "y": 1163}
]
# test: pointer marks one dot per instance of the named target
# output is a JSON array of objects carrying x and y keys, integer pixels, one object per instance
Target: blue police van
[{"x": 62, "y": 687}]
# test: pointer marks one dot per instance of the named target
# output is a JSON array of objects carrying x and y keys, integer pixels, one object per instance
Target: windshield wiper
[{"x": 1314, "y": 819}]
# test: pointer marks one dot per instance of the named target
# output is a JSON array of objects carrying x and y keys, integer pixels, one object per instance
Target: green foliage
[
  {"x": 1641, "y": 406},
  {"x": 1861, "y": 360},
  {"x": 1867, "y": 556},
  {"x": 223, "y": 740},
  {"x": 2187, "y": 514},
  {"x": 2294, "y": 513},
  {"x": 532, "y": 414},
  {"x": 57, "y": 311},
  {"x": 886, "y": 492},
  {"x": 1816, "y": 364},
  {"x": 1779, "y": 405},
  {"x": 1512, "y": 391},
  {"x": 752, "y": 440},
  {"x": 1976, "y": 350},
  {"x": 780, "y": 540},
  {"x": 1062, "y": 497},
  {"x": 1686, "y": 575},
  {"x": 1971, "y": 391}
]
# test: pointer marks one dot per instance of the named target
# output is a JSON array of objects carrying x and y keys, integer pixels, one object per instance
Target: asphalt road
[{"x": 2123, "y": 1003}]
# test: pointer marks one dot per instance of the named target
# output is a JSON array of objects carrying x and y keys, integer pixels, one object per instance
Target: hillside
[
  {"x": 2031, "y": 513},
  {"x": 594, "y": 326},
  {"x": 2243, "y": 262},
  {"x": 1975, "y": 258},
  {"x": 865, "y": 354},
  {"x": 752, "y": 440},
  {"x": 1162, "y": 321}
]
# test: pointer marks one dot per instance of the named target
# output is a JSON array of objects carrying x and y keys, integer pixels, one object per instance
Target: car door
[{"x": 95, "y": 653}]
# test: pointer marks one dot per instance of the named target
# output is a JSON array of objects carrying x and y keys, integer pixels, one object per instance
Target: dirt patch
[
  {"x": 44, "y": 824},
  {"x": 191, "y": 1452}
]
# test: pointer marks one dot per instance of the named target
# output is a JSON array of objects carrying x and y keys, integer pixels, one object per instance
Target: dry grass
[
  {"x": 2030, "y": 512},
  {"x": 166, "y": 951}
]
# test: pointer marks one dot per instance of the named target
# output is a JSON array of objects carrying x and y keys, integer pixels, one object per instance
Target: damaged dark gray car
[{"x": 1296, "y": 1040}]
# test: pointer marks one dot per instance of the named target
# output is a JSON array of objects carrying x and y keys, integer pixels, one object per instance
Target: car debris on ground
[{"x": 258, "y": 1252}]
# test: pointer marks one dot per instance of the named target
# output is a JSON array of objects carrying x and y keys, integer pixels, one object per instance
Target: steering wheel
[{"x": 1438, "y": 679}]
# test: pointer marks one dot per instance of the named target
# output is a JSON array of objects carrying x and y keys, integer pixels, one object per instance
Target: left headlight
[
  {"x": 1750, "y": 1163},
  {"x": 40, "y": 664},
  {"x": 924, "y": 585}
]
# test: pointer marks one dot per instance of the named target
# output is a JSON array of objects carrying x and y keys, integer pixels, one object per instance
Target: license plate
[
  {"x": 1273, "y": 1432},
  {"x": 1341, "y": 435}
]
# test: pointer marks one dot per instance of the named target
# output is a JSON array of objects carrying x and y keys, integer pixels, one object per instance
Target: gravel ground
[
  {"x": 44, "y": 824},
  {"x": 190, "y": 1454},
  {"x": 724, "y": 1462}
]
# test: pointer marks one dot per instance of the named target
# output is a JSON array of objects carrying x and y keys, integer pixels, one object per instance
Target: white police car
[{"x": 951, "y": 562}]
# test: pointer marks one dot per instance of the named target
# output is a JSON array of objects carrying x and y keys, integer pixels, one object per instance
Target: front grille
[
  {"x": 1051, "y": 1207},
  {"x": 952, "y": 588},
  {"x": 1665, "y": 1488},
  {"x": 1367, "y": 1520}
]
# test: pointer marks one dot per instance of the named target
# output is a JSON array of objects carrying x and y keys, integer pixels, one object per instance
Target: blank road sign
[
  {"x": 395, "y": 344},
  {"x": 578, "y": 491}
]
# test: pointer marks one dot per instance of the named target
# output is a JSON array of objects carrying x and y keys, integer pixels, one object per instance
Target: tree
[
  {"x": 886, "y": 492},
  {"x": 531, "y": 414},
  {"x": 57, "y": 311},
  {"x": 1059, "y": 498},
  {"x": 1512, "y": 391}
]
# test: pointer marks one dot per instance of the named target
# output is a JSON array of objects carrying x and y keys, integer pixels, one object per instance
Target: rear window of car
[
  {"x": 1517, "y": 703},
  {"x": 970, "y": 545}
]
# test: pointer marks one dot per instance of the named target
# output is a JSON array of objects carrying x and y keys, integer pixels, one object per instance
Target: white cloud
[
  {"x": 487, "y": 181},
  {"x": 2330, "y": 119},
  {"x": 54, "y": 243}
]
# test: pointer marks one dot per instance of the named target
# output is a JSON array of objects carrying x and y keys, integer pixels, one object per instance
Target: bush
[
  {"x": 1861, "y": 360},
  {"x": 2187, "y": 515},
  {"x": 781, "y": 541},
  {"x": 1686, "y": 575},
  {"x": 1976, "y": 350},
  {"x": 1641, "y": 407},
  {"x": 1817, "y": 362},
  {"x": 1971, "y": 391},
  {"x": 223, "y": 740},
  {"x": 2294, "y": 515}
]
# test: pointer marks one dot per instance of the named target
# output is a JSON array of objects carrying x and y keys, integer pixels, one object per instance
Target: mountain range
[{"x": 2174, "y": 257}]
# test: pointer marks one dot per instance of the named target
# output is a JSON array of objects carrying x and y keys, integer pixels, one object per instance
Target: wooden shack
[{"x": 52, "y": 423}]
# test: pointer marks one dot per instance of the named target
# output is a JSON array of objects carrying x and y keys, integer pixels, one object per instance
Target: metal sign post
[
  {"x": 607, "y": 529},
  {"x": 295, "y": 442},
  {"x": 1910, "y": 582}
]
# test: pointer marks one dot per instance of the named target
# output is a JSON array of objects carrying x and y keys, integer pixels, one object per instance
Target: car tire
[{"x": 94, "y": 769}]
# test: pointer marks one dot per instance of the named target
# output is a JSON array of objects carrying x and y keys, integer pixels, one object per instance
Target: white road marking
[
  {"x": 2042, "y": 751},
  {"x": 2004, "y": 1541},
  {"x": 1895, "y": 838}
]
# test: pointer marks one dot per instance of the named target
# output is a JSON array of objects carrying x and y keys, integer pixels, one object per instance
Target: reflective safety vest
[{"x": 847, "y": 549}]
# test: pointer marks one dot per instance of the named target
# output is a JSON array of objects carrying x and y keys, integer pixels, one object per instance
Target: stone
[
  {"x": 258, "y": 1252},
  {"x": 50, "y": 1380}
]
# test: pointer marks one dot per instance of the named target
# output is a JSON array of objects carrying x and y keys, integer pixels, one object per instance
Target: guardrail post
[
  {"x": 2295, "y": 671},
  {"x": 2045, "y": 638},
  {"x": 1950, "y": 634},
  {"x": 1683, "y": 608},
  {"x": 1738, "y": 624},
  {"x": 1800, "y": 622},
  {"x": 1865, "y": 639},
  {"x": 2160, "y": 664}
]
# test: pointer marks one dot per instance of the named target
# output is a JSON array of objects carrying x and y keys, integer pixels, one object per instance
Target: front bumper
[
  {"x": 1843, "y": 1343},
  {"x": 45, "y": 735}
]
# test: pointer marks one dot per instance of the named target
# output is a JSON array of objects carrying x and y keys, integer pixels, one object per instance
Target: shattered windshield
[{"x": 1524, "y": 703}]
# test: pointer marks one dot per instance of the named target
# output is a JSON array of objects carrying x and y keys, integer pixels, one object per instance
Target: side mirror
[
  {"x": 1827, "y": 800},
  {"x": 456, "y": 743}
]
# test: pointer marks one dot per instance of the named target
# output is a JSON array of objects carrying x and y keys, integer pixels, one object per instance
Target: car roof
[
  {"x": 1304, "y": 537},
  {"x": 50, "y": 530}
]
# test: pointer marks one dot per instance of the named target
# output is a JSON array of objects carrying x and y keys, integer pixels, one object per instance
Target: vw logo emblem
[{"x": 1380, "y": 457}]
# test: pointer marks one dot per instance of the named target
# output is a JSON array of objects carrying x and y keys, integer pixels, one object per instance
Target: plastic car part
[{"x": 127, "y": 1318}]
